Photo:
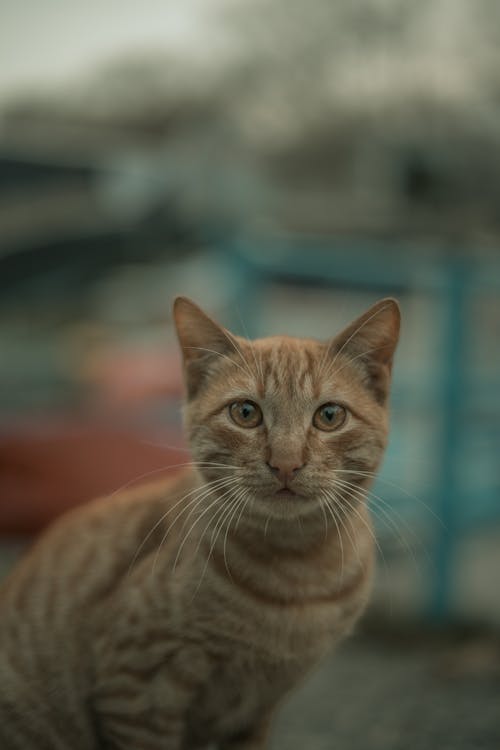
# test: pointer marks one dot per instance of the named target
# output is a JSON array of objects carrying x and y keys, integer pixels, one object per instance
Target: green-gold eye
[
  {"x": 245, "y": 413},
  {"x": 329, "y": 417}
]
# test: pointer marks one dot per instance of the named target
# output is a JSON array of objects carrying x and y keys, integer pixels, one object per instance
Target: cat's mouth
[{"x": 285, "y": 492}]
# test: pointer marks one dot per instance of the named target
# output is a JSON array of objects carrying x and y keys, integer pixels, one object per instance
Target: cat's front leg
[
  {"x": 251, "y": 738},
  {"x": 151, "y": 711},
  {"x": 147, "y": 735}
]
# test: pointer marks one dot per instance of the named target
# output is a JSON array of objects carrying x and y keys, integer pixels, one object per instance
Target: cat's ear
[
  {"x": 370, "y": 342},
  {"x": 200, "y": 338}
]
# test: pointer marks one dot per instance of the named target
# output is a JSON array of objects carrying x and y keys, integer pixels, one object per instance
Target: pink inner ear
[{"x": 375, "y": 332}]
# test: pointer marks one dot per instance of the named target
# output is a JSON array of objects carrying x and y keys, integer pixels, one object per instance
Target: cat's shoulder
[
  {"x": 109, "y": 522},
  {"x": 133, "y": 499}
]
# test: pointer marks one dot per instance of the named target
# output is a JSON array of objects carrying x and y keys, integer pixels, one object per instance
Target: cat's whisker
[
  {"x": 219, "y": 498},
  {"x": 258, "y": 365},
  {"x": 331, "y": 374},
  {"x": 164, "y": 516},
  {"x": 348, "y": 518},
  {"x": 218, "y": 514},
  {"x": 389, "y": 522},
  {"x": 343, "y": 499},
  {"x": 226, "y": 511},
  {"x": 369, "y": 494},
  {"x": 356, "y": 498},
  {"x": 324, "y": 360},
  {"x": 383, "y": 516},
  {"x": 222, "y": 515},
  {"x": 234, "y": 344},
  {"x": 199, "y": 500},
  {"x": 167, "y": 467},
  {"x": 357, "y": 330},
  {"x": 258, "y": 371},
  {"x": 193, "y": 504},
  {"x": 335, "y": 507},
  {"x": 325, "y": 518},
  {"x": 374, "y": 475},
  {"x": 352, "y": 508},
  {"x": 240, "y": 502},
  {"x": 202, "y": 493},
  {"x": 419, "y": 542},
  {"x": 146, "y": 474},
  {"x": 339, "y": 535},
  {"x": 248, "y": 498},
  {"x": 214, "y": 502},
  {"x": 355, "y": 510},
  {"x": 234, "y": 502},
  {"x": 220, "y": 354}
]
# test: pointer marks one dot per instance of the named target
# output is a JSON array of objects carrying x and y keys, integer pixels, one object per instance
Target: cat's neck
[{"x": 309, "y": 535}]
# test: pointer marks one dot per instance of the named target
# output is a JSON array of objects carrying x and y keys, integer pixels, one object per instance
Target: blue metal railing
[{"x": 450, "y": 387}]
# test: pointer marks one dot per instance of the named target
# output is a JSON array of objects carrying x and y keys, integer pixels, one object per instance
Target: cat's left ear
[
  {"x": 370, "y": 342},
  {"x": 201, "y": 339}
]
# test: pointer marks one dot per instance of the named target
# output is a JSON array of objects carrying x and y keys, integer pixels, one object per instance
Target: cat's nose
[{"x": 285, "y": 470}]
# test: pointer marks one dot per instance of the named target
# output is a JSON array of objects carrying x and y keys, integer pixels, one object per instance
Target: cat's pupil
[
  {"x": 246, "y": 411},
  {"x": 329, "y": 413}
]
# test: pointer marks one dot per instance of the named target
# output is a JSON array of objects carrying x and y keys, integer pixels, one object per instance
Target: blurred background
[{"x": 285, "y": 164}]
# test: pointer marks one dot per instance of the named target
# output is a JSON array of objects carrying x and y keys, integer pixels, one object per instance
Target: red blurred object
[
  {"x": 132, "y": 377},
  {"x": 47, "y": 469}
]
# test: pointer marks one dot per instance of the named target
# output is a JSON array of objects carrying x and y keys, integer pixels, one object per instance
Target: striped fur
[{"x": 180, "y": 613}]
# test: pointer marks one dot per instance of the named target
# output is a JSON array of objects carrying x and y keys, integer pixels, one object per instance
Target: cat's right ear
[{"x": 200, "y": 338}]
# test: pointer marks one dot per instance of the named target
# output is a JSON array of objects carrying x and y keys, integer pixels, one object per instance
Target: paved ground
[{"x": 400, "y": 691}]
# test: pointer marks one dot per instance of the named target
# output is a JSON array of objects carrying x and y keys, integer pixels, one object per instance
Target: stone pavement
[{"x": 395, "y": 690}]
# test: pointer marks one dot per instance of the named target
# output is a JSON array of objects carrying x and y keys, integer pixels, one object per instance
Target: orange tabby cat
[{"x": 179, "y": 614}]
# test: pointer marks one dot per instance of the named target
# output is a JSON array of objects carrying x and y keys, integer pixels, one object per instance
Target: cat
[{"x": 178, "y": 614}]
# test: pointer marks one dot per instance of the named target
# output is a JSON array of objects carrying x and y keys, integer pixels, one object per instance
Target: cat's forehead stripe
[{"x": 288, "y": 368}]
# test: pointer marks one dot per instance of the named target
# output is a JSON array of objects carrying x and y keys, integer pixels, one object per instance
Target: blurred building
[{"x": 284, "y": 174}]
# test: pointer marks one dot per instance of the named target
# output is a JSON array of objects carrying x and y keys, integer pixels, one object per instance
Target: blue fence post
[{"x": 453, "y": 395}]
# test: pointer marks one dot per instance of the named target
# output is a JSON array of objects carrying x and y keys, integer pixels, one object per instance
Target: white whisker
[
  {"x": 240, "y": 501},
  {"x": 342, "y": 521},
  {"x": 219, "y": 354},
  {"x": 355, "y": 510},
  {"x": 325, "y": 519},
  {"x": 389, "y": 521},
  {"x": 196, "y": 501},
  {"x": 213, "y": 541},
  {"x": 258, "y": 371},
  {"x": 339, "y": 535},
  {"x": 248, "y": 497},
  {"x": 213, "y": 483},
  {"x": 373, "y": 475},
  {"x": 197, "y": 520}
]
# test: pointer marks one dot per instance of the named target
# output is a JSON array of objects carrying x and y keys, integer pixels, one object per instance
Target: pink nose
[{"x": 285, "y": 470}]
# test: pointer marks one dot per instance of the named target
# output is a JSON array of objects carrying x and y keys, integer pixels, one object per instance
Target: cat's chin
[
  {"x": 285, "y": 492},
  {"x": 284, "y": 505}
]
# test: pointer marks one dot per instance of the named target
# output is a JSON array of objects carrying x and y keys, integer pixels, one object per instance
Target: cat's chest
[
  {"x": 241, "y": 688},
  {"x": 287, "y": 623}
]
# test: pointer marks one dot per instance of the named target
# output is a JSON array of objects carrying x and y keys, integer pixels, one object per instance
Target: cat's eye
[
  {"x": 245, "y": 413},
  {"x": 329, "y": 417}
]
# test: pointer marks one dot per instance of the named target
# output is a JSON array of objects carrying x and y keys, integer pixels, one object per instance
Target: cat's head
[{"x": 287, "y": 421}]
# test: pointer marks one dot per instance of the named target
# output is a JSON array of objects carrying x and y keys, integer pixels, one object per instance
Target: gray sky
[{"x": 46, "y": 42}]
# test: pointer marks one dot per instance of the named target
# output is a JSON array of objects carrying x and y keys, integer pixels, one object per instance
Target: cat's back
[
  {"x": 48, "y": 605},
  {"x": 90, "y": 548}
]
